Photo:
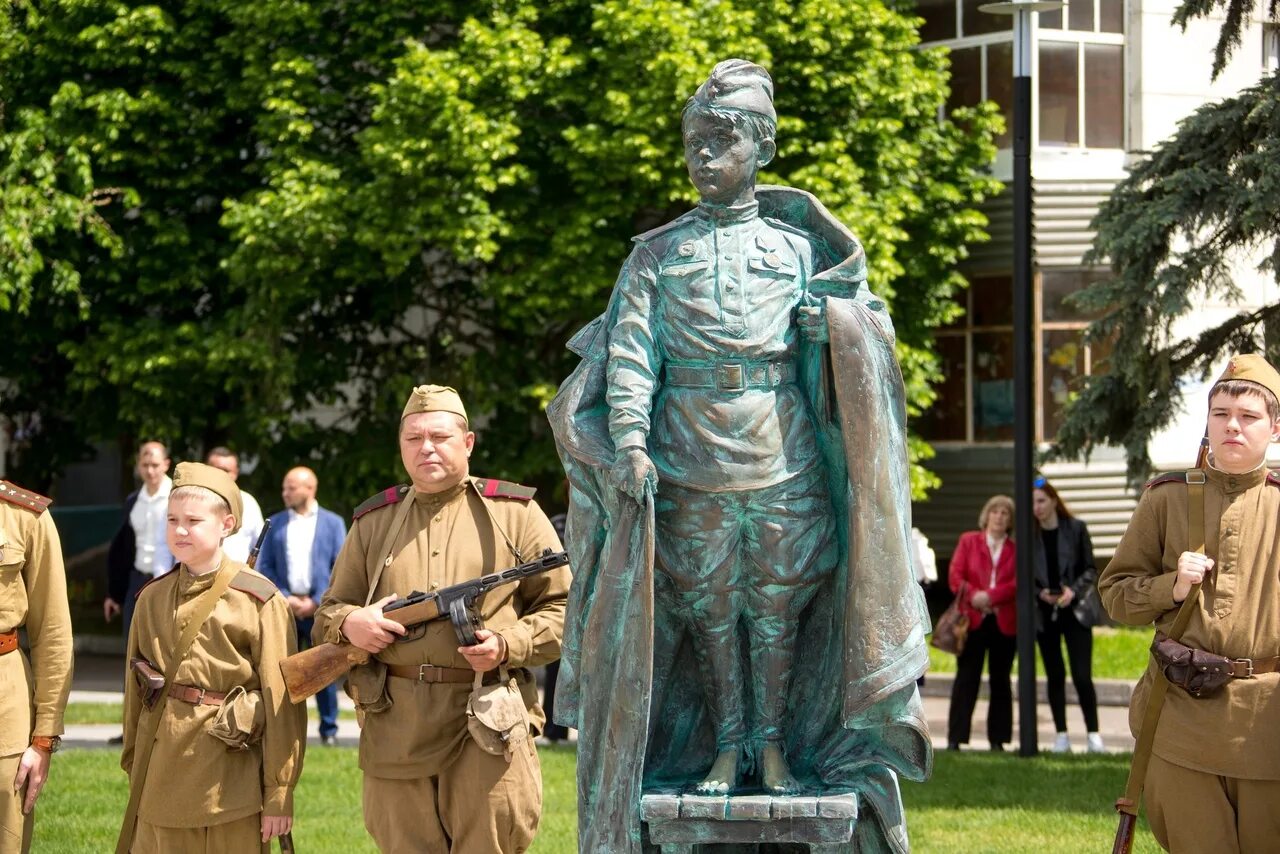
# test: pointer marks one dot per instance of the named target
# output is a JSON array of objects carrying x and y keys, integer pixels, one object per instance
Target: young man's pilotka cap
[
  {"x": 434, "y": 398},
  {"x": 1250, "y": 367},
  {"x": 736, "y": 84},
  {"x": 215, "y": 480}
]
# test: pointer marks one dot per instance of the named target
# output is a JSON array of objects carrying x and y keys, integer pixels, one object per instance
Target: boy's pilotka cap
[
  {"x": 736, "y": 84},
  {"x": 434, "y": 398},
  {"x": 1250, "y": 367},
  {"x": 216, "y": 480}
]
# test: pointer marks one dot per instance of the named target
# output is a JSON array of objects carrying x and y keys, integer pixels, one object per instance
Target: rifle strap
[
  {"x": 389, "y": 543},
  {"x": 146, "y": 740},
  {"x": 1160, "y": 686}
]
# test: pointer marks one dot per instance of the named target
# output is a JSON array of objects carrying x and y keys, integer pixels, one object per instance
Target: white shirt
[
  {"x": 238, "y": 545},
  {"x": 995, "y": 547},
  {"x": 299, "y": 536},
  {"x": 148, "y": 518}
]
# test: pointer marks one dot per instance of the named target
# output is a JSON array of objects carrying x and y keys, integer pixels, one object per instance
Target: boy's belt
[
  {"x": 431, "y": 673},
  {"x": 8, "y": 642},
  {"x": 196, "y": 696},
  {"x": 1243, "y": 668},
  {"x": 731, "y": 375}
]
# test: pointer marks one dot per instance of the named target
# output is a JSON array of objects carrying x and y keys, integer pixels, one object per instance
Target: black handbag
[{"x": 1088, "y": 609}]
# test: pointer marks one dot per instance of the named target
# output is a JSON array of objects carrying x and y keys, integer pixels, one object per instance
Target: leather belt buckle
[
  {"x": 427, "y": 673},
  {"x": 1248, "y": 664},
  {"x": 731, "y": 376}
]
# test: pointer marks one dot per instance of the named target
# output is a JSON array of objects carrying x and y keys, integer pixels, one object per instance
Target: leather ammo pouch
[
  {"x": 1199, "y": 673},
  {"x": 367, "y": 687},
  {"x": 496, "y": 715},
  {"x": 150, "y": 680},
  {"x": 240, "y": 720}
]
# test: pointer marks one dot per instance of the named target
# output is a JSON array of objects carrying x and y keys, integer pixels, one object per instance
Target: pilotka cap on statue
[
  {"x": 1252, "y": 368},
  {"x": 216, "y": 480},
  {"x": 736, "y": 84},
  {"x": 434, "y": 398}
]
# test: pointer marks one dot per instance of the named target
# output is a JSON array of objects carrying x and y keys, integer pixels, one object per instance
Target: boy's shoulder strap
[
  {"x": 385, "y": 498},
  {"x": 255, "y": 584},
  {"x": 154, "y": 579},
  {"x": 1166, "y": 477}
]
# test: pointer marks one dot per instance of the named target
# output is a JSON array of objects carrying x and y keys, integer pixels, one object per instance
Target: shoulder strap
[
  {"x": 1160, "y": 687},
  {"x": 388, "y": 543},
  {"x": 142, "y": 750}
]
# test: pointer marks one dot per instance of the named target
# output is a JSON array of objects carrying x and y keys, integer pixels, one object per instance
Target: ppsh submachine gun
[{"x": 306, "y": 672}]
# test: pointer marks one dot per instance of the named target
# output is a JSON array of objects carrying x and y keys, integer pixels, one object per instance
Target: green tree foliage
[
  {"x": 316, "y": 205},
  {"x": 1176, "y": 232}
]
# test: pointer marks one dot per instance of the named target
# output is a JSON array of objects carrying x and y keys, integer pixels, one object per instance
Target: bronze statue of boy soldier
[{"x": 738, "y": 388}]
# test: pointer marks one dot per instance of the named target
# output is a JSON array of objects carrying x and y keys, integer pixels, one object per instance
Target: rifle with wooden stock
[
  {"x": 1127, "y": 804},
  {"x": 306, "y": 672}
]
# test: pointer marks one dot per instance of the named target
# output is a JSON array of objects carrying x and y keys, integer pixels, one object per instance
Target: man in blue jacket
[{"x": 298, "y": 556}]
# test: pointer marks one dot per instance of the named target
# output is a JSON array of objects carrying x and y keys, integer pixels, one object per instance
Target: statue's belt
[{"x": 730, "y": 374}]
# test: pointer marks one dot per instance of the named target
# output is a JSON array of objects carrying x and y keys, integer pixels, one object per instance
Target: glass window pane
[
  {"x": 1111, "y": 16},
  {"x": 1000, "y": 86},
  {"x": 1103, "y": 96},
  {"x": 1063, "y": 357},
  {"x": 1080, "y": 15},
  {"x": 945, "y": 420},
  {"x": 975, "y": 23},
  {"x": 1051, "y": 20},
  {"x": 966, "y": 78},
  {"x": 939, "y": 19},
  {"x": 1057, "y": 285},
  {"x": 992, "y": 300},
  {"x": 992, "y": 386},
  {"x": 1059, "y": 98}
]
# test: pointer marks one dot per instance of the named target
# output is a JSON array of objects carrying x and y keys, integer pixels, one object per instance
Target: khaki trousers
[
  {"x": 15, "y": 828},
  {"x": 235, "y": 837},
  {"x": 1192, "y": 812},
  {"x": 481, "y": 804}
]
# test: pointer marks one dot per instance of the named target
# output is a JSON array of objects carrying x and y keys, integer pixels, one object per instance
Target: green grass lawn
[
  {"x": 1118, "y": 653},
  {"x": 992, "y": 803}
]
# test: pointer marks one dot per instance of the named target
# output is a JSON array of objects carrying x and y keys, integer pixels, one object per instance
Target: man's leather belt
[
  {"x": 196, "y": 696},
  {"x": 732, "y": 375},
  {"x": 1243, "y": 668},
  {"x": 431, "y": 673},
  {"x": 8, "y": 642}
]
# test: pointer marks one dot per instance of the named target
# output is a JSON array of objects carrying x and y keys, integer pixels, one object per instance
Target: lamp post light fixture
[{"x": 1023, "y": 358}]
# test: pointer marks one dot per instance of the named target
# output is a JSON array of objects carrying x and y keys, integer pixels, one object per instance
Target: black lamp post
[{"x": 1023, "y": 357}]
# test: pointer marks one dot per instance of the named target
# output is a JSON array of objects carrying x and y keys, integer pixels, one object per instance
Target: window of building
[
  {"x": 1081, "y": 86},
  {"x": 975, "y": 398},
  {"x": 1271, "y": 47}
]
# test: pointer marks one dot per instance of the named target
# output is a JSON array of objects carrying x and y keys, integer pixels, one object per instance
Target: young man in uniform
[
  {"x": 33, "y": 595},
  {"x": 1213, "y": 783},
  {"x": 428, "y": 786},
  {"x": 212, "y": 766}
]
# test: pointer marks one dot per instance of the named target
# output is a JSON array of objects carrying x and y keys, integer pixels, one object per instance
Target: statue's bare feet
[
  {"x": 723, "y": 776},
  {"x": 775, "y": 774}
]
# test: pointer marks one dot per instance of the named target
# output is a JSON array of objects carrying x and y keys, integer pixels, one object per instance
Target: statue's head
[{"x": 729, "y": 126}]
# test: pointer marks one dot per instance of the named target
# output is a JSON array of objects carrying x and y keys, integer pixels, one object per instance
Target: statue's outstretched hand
[{"x": 633, "y": 474}]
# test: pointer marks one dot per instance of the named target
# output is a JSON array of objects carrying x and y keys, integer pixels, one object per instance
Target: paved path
[{"x": 97, "y": 680}]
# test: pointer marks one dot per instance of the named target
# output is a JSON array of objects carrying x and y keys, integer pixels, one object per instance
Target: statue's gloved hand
[
  {"x": 634, "y": 474},
  {"x": 812, "y": 318}
]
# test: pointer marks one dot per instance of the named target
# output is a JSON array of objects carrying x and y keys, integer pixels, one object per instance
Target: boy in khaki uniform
[
  {"x": 33, "y": 692},
  {"x": 228, "y": 744},
  {"x": 427, "y": 784},
  {"x": 1213, "y": 783}
]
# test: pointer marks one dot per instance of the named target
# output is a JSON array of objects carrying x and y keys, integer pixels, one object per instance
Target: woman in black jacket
[{"x": 1065, "y": 575}]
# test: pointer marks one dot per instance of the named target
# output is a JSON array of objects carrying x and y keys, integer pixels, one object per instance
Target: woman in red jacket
[{"x": 983, "y": 567}]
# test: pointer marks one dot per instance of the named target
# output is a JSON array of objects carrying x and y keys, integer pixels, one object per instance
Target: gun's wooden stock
[
  {"x": 306, "y": 672},
  {"x": 1124, "y": 834}
]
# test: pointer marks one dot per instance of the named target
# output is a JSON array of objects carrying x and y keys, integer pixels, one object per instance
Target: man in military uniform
[
  {"x": 33, "y": 595},
  {"x": 1213, "y": 783},
  {"x": 427, "y": 784}
]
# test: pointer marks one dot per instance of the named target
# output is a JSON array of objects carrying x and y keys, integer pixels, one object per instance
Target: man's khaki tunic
[
  {"x": 33, "y": 693},
  {"x": 1232, "y": 733},
  {"x": 446, "y": 539},
  {"x": 193, "y": 779}
]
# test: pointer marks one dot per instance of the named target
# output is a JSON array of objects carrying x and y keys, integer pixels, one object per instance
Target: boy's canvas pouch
[{"x": 240, "y": 719}]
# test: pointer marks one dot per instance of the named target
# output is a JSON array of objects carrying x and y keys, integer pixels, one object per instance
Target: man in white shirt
[
  {"x": 138, "y": 552},
  {"x": 238, "y": 545},
  {"x": 298, "y": 555}
]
